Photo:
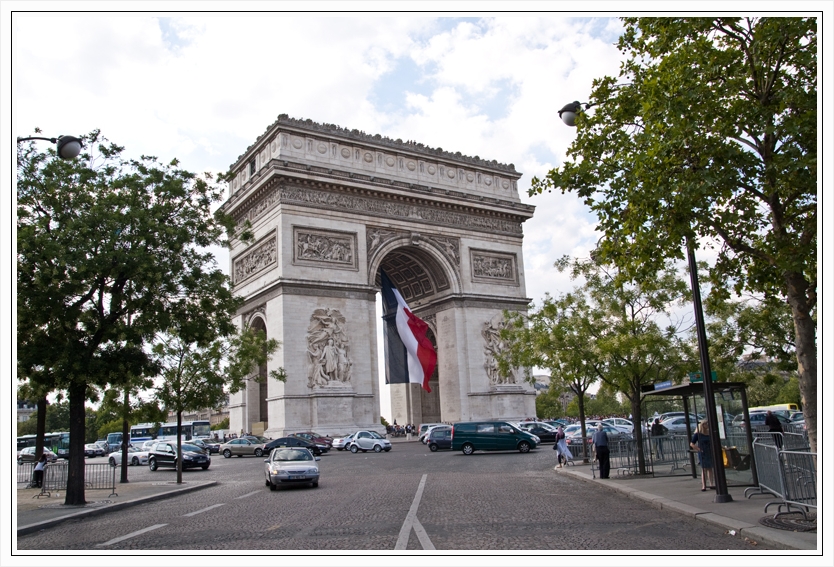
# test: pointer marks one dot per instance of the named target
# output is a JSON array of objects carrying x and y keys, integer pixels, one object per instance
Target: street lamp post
[
  {"x": 68, "y": 147},
  {"x": 568, "y": 115}
]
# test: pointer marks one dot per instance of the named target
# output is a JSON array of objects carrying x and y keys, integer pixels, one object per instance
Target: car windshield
[
  {"x": 376, "y": 435},
  {"x": 291, "y": 455},
  {"x": 192, "y": 448}
]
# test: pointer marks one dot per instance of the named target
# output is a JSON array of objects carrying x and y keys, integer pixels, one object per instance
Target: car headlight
[{"x": 312, "y": 471}]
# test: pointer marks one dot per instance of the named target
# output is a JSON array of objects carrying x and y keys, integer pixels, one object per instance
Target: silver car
[
  {"x": 291, "y": 465},
  {"x": 135, "y": 456},
  {"x": 241, "y": 447},
  {"x": 369, "y": 441}
]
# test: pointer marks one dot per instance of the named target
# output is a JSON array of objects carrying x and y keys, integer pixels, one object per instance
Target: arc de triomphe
[{"x": 329, "y": 208}]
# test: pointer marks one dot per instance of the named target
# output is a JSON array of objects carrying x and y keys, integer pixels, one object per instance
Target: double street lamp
[
  {"x": 568, "y": 115},
  {"x": 68, "y": 147}
]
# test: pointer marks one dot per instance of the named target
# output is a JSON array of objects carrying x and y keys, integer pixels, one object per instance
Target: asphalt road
[{"x": 408, "y": 498}]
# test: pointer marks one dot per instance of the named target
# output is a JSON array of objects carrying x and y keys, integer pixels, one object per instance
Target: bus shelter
[{"x": 670, "y": 454}]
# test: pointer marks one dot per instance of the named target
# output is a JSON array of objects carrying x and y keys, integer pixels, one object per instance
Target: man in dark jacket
[
  {"x": 775, "y": 427},
  {"x": 658, "y": 431}
]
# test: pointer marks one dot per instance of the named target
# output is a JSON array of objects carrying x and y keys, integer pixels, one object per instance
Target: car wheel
[
  {"x": 134, "y": 461},
  {"x": 259, "y": 453},
  {"x": 227, "y": 454},
  {"x": 204, "y": 467},
  {"x": 387, "y": 449},
  {"x": 433, "y": 447},
  {"x": 152, "y": 464},
  {"x": 272, "y": 487},
  {"x": 112, "y": 462},
  {"x": 354, "y": 449},
  {"x": 468, "y": 448},
  {"x": 315, "y": 484},
  {"x": 340, "y": 448},
  {"x": 377, "y": 448},
  {"x": 524, "y": 447}
]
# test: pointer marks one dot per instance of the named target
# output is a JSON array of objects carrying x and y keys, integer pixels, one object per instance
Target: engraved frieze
[
  {"x": 450, "y": 246},
  {"x": 261, "y": 257},
  {"x": 376, "y": 237},
  {"x": 328, "y": 350},
  {"x": 493, "y": 267},
  {"x": 331, "y": 248}
]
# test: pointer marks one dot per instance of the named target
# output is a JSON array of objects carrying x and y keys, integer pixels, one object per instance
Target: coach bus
[
  {"x": 190, "y": 429},
  {"x": 57, "y": 442}
]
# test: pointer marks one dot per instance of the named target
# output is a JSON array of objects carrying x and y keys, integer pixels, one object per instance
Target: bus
[
  {"x": 142, "y": 432},
  {"x": 784, "y": 409},
  {"x": 190, "y": 429},
  {"x": 57, "y": 442}
]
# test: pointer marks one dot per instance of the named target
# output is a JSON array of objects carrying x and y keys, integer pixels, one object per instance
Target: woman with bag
[
  {"x": 561, "y": 448},
  {"x": 701, "y": 443}
]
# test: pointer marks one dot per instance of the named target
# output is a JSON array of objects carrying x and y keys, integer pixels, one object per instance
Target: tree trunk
[
  {"x": 41, "y": 430},
  {"x": 77, "y": 393},
  {"x": 179, "y": 447},
  {"x": 637, "y": 420},
  {"x": 806, "y": 352},
  {"x": 125, "y": 435},
  {"x": 581, "y": 403}
]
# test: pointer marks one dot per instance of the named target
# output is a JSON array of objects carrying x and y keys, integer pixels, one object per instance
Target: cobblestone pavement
[{"x": 369, "y": 501}]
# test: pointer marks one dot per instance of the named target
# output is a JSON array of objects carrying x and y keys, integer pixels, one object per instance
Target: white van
[{"x": 424, "y": 429}]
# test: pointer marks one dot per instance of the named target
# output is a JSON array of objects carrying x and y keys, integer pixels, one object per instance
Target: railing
[
  {"x": 786, "y": 472},
  {"x": 99, "y": 476}
]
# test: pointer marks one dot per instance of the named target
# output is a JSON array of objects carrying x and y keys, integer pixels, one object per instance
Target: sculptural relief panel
[
  {"x": 330, "y": 248},
  {"x": 328, "y": 350},
  {"x": 256, "y": 258},
  {"x": 493, "y": 267},
  {"x": 494, "y": 345}
]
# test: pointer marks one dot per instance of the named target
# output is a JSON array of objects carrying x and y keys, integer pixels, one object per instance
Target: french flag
[{"x": 409, "y": 353}]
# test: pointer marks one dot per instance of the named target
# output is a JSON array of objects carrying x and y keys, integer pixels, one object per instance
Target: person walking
[
  {"x": 774, "y": 427},
  {"x": 40, "y": 467},
  {"x": 658, "y": 431},
  {"x": 600, "y": 441},
  {"x": 701, "y": 443},
  {"x": 561, "y": 447}
]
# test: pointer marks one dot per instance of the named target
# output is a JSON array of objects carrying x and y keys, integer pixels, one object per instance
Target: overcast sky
[{"x": 201, "y": 88}]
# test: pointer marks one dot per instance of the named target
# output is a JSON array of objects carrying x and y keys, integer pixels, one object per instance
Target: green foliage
[
  {"x": 222, "y": 424},
  {"x": 383, "y": 421},
  {"x": 112, "y": 426},
  {"x": 548, "y": 405},
  {"x": 789, "y": 393},
  {"x": 710, "y": 131},
  {"x": 106, "y": 248}
]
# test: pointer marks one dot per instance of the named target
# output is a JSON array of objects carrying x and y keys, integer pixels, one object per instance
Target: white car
[
  {"x": 341, "y": 443},
  {"x": 424, "y": 437},
  {"x": 369, "y": 441},
  {"x": 135, "y": 456},
  {"x": 620, "y": 423}
]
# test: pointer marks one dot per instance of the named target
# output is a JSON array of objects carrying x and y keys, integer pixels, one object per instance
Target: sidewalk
[
  {"x": 682, "y": 494},
  {"x": 34, "y": 514}
]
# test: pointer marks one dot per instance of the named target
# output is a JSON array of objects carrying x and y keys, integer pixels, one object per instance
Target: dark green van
[{"x": 490, "y": 436}]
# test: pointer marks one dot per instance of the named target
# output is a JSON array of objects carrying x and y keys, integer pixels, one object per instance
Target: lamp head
[
  {"x": 68, "y": 147},
  {"x": 569, "y": 112}
]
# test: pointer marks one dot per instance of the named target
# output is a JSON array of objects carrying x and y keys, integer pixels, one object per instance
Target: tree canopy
[
  {"x": 709, "y": 134},
  {"x": 105, "y": 247}
]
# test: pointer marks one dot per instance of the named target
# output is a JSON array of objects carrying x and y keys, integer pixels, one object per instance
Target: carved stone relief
[
  {"x": 493, "y": 267},
  {"x": 261, "y": 257},
  {"x": 376, "y": 237},
  {"x": 494, "y": 345},
  {"x": 324, "y": 247},
  {"x": 450, "y": 246},
  {"x": 328, "y": 350}
]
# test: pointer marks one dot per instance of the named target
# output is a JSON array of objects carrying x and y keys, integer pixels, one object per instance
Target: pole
[{"x": 721, "y": 494}]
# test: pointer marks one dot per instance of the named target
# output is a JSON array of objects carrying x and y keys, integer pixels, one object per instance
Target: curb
[
  {"x": 37, "y": 526},
  {"x": 743, "y": 529}
]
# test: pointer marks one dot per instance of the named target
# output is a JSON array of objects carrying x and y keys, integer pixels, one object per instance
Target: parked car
[
  {"x": 340, "y": 443},
  {"x": 104, "y": 446},
  {"x": 27, "y": 455},
  {"x": 621, "y": 423},
  {"x": 574, "y": 439},
  {"x": 293, "y": 442},
  {"x": 797, "y": 416},
  {"x": 135, "y": 456},
  {"x": 314, "y": 437},
  {"x": 148, "y": 445},
  {"x": 369, "y": 440},
  {"x": 291, "y": 465},
  {"x": 206, "y": 445},
  {"x": 424, "y": 438},
  {"x": 440, "y": 438},
  {"x": 241, "y": 447},
  {"x": 424, "y": 427},
  {"x": 93, "y": 450},
  {"x": 491, "y": 436},
  {"x": 558, "y": 422},
  {"x": 677, "y": 425},
  {"x": 164, "y": 454},
  {"x": 545, "y": 432},
  {"x": 757, "y": 420}
]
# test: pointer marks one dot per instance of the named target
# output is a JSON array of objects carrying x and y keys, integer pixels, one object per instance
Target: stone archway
[{"x": 329, "y": 207}]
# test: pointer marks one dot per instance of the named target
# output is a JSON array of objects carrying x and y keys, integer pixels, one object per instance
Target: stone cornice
[
  {"x": 353, "y": 135},
  {"x": 445, "y": 203}
]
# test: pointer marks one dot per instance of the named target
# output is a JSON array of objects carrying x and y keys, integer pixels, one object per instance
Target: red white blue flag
[{"x": 409, "y": 354}]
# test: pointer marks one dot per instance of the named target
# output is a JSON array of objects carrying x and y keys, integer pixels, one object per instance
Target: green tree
[
  {"x": 104, "y": 245},
  {"x": 710, "y": 131},
  {"x": 203, "y": 357},
  {"x": 222, "y": 424}
]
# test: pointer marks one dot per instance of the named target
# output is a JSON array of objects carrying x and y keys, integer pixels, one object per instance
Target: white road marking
[
  {"x": 411, "y": 521},
  {"x": 130, "y": 535},
  {"x": 248, "y": 495},
  {"x": 203, "y": 510}
]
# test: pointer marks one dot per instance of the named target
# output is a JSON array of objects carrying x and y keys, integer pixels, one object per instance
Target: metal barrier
[
  {"x": 790, "y": 475},
  {"x": 99, "y": 476},
  {"x": 671, "y": 451}
]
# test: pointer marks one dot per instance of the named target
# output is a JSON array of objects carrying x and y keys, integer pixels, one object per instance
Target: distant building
[{"x": 25, "y": 409}]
